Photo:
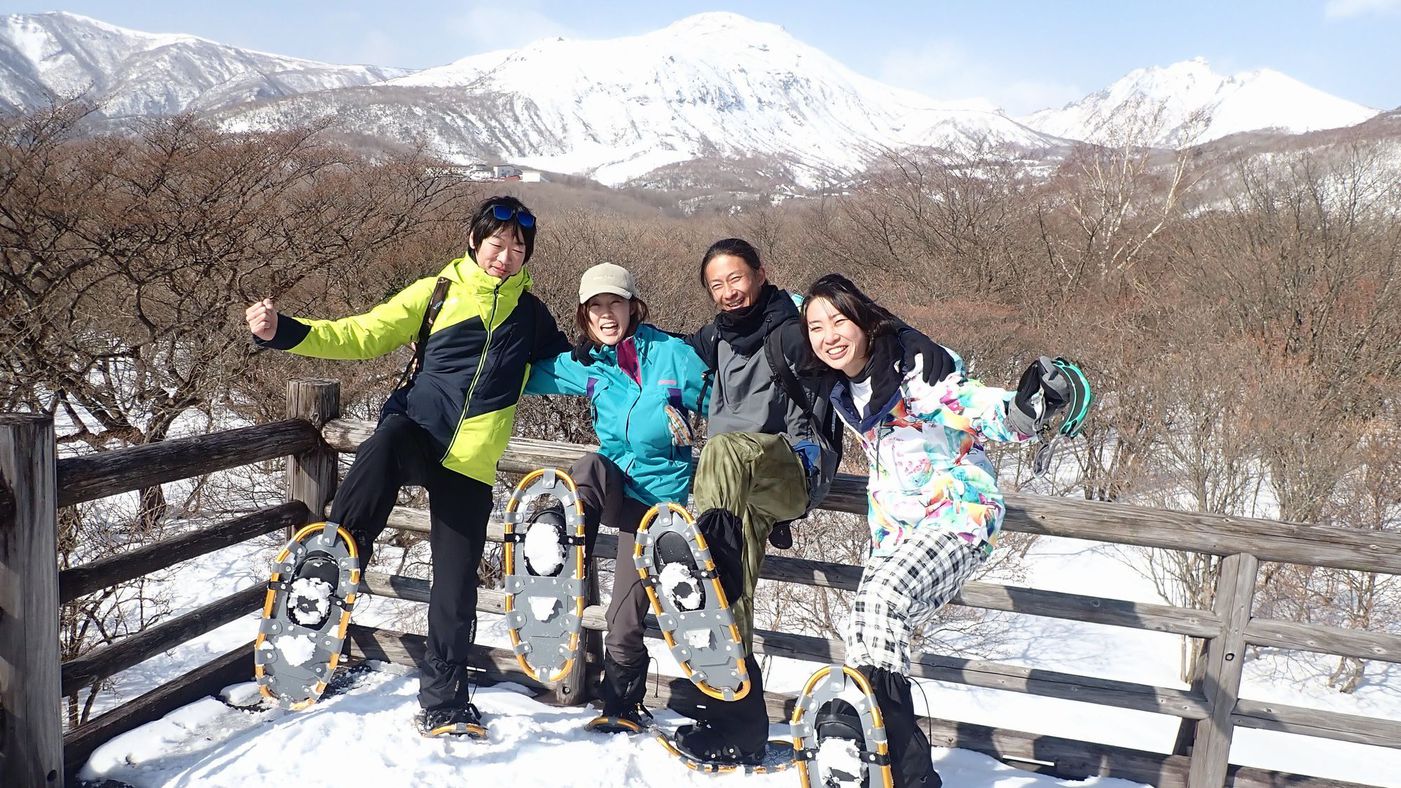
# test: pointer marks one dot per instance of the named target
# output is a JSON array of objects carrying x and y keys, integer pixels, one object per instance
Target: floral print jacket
[{"x": 925, "y": 448}]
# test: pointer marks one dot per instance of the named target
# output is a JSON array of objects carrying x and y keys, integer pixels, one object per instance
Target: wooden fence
[{"x": 34, "y": 485}]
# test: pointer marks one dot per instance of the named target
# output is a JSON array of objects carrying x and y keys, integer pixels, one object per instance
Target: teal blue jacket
[{"x": 633, "y": 427}]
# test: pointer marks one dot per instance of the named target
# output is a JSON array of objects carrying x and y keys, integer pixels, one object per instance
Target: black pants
[{"x": 402, "y": 453}]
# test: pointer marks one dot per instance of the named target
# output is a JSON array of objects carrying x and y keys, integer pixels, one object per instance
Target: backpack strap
[
  {"x": 430, "y": 314},
  {"x": 773, "y": 351}
]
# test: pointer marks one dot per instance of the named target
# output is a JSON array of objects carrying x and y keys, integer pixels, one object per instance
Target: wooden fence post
[
  {"x": 31, "y": 729},
  {"x": 573, "y": 689},
  {"x": 312, "y": 475},
  {"x": 1225, "y": 663}
]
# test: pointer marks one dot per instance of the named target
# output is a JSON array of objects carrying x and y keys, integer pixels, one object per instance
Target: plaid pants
[{"x": 924, "y": 572}]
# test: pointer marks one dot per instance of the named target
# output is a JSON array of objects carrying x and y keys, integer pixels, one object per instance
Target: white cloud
[
  {"x": 485, "y": 27},
  {"x": 1342, "y": 9},
  {"x": 944, "y": 71}
]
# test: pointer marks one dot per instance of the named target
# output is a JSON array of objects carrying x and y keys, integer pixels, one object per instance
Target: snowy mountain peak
[
  {"x": 719, "y": 22},
  {"x": 1188, "y": 102},
  {"x": 714, "y": 85}
]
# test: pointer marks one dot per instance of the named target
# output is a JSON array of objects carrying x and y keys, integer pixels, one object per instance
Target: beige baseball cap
[{"x": 607, "y": 278}]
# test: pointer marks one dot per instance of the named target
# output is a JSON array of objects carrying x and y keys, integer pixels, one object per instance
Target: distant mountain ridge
[
  {"x": 1189, "y": 103},
  {"x": 128, "y": 73},
  {"x": 715, "y": 96}
]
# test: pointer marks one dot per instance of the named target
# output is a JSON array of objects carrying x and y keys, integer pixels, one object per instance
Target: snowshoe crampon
[
  {"x": 544, "y": 568},
  {"x": 778, "y": 757},
  {"x": 627, "y": 723},
  {"x": 1076, "y": 409},
  {"x": 839, "y": 736},
  {"x": 310, "y": 595},
  {"x": 692, "y": 611}
]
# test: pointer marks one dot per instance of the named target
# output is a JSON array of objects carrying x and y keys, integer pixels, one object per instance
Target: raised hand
[{"x": 262, "y": 319}]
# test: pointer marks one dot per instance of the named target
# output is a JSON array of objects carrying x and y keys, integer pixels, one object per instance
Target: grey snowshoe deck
[
  {"x": 692, "y": 611},
  {"x": 846, "y": 761},
  {"x": 545, "y": 604},
  {"x": 310, "y": 594},
  {"x": 778, "y": 757}
]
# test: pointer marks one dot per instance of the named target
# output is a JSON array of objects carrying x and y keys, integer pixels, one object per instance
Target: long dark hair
[{"x": 874, "y": 320}]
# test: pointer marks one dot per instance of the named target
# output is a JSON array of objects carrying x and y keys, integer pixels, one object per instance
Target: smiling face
[
  {"x": 609, "y": 318},
  {"x": 732, "y": 283},
  {"x": 502, "y": 253},
  {"x": 835, "y": 338}
]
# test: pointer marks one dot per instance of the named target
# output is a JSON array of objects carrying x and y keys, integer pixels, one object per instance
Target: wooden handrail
[
  {"x": 109, "y": 660},
  {"x": 87, "y": 578},
  {"x": 94, "y": 476},
  {"x": 1202, "y": 532}
]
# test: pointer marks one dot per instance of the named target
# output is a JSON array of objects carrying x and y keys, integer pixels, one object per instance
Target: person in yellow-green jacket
[{"x": 445, "y": 427}]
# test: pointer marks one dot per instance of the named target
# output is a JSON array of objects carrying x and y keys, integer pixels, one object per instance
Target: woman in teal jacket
[{"x": 643, "y": 385}]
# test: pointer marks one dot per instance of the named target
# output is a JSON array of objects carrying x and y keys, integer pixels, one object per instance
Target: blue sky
[{"x": 1020, "y": 55}]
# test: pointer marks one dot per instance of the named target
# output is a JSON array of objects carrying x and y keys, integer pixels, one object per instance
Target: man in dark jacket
[{"x": 773, "y": 449}]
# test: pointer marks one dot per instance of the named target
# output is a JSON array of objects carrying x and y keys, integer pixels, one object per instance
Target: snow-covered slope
[
  {"x": 1188, "y": 103},
  {"x": 714, "y": 85},
  {"x": 132, "y": 73}
]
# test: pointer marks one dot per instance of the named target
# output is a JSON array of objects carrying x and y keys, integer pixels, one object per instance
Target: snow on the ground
[
  {"x": 367, "y": 732},
  {"x": 365, "y": 736}
]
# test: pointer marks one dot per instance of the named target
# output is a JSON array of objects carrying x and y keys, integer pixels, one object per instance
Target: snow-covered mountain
[
  {"x": 131, "y": 73},
  {"x": 688, "y": 106},
  {"x": 1188, "y": 103},
  {"x": 714, "y": 85}
]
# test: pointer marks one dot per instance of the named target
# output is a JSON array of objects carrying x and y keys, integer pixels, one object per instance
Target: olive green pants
[{"x": 760, "y": 480}]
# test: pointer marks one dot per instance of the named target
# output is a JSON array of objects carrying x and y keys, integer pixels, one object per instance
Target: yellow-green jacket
[{"x": 484, "y": 339}]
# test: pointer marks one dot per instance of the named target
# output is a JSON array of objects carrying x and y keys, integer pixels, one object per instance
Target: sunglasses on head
[{"x": 504, "y": 213}]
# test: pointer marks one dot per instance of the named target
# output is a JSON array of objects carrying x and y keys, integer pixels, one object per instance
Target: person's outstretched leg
[
  {"x": 758, "y": 480},
  {"x": 395, "y": 455}
]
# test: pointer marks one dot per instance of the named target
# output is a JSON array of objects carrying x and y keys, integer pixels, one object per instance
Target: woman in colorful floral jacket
[{"x": 935, "y": 511}]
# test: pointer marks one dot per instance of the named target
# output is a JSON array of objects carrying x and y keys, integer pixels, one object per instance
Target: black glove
[
  {"x": 1042, "y": 392},
  {"x": 583, "y": 351},
  {"x": 938, "y": 364}
]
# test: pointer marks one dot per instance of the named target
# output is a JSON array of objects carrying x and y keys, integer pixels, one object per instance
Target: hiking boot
[{"x": 705, "y": 742}]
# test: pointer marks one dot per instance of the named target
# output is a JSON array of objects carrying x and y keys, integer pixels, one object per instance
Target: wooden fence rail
[{"x": 33, "y": 485}]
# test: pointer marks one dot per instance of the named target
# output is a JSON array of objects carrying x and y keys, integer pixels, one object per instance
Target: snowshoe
[
  {"x": 691, "y": 608},
  {"x": 839, "y": 738},
  {"x": 777, "y": 756},
  {"x": 310, "y": 595},
  {"x": 544, "y": 568},
  {"x": 461, "y": 721}
]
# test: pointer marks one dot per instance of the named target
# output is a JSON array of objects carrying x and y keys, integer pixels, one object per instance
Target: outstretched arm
[
  {"x": 966, "y": 405},
  {"x": 384, "y": 328}
]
